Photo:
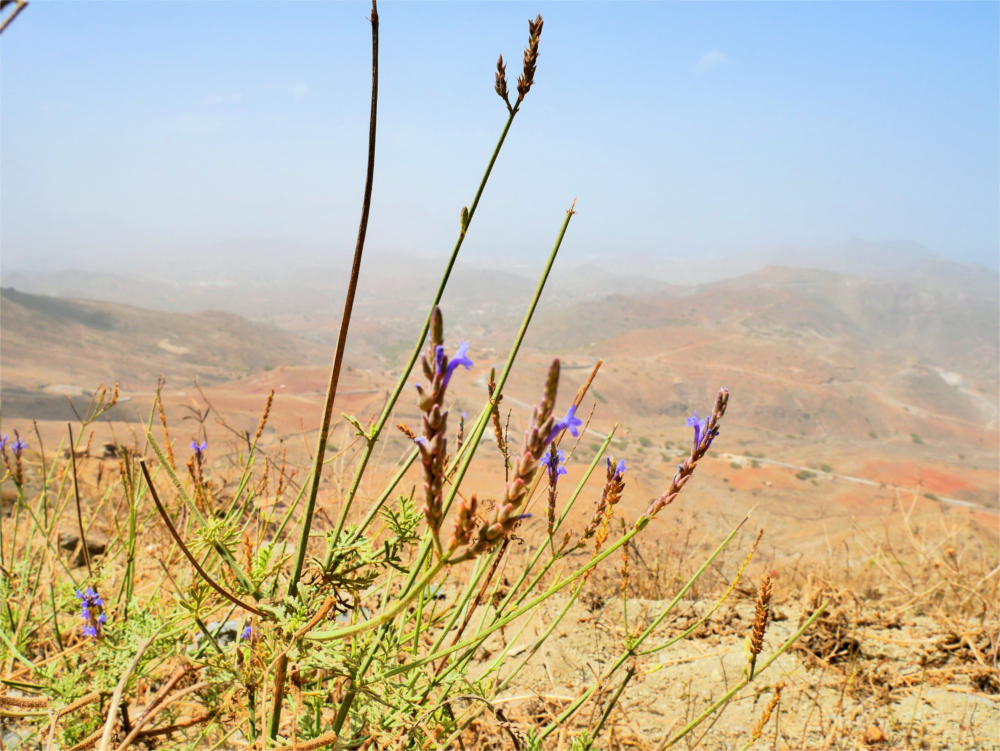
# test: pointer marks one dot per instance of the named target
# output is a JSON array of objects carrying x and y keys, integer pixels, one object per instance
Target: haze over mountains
[
  {"x": 270, "y": 281},
  {"x": 880, "y": 360}
]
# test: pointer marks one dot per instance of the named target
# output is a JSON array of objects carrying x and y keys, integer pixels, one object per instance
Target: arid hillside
[
  {"x": 843, "y": 388},
  {"x": 53, "y": 348}
]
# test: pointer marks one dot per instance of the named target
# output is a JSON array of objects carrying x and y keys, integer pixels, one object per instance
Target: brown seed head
[
  {"x": 527, "y": 77},
  {"x": 551, "y": 389},
  {"x": 501, "y": 81},
  {"x": 765, "y": 716},
  {"x": 263, "y": 417},
  {"x": 761, "y": 614},
  {"x": 465, "y": 522},
  {"x": 437, "y": 329},
  {"x": 721, "y": 400}
]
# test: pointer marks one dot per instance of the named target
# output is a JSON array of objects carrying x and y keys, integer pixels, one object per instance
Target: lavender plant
[{"x": 286, "y": 635}]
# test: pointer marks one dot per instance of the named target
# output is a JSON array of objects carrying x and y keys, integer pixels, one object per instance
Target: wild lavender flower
[
  {"x": 459, "y": 358},
  {"x": 701, "y": 431},
  {"x": 570, "y": 422},
  {"x": 553, "y": 461},
  {"x": 199, "y": 449},
  {"x": 540, "y": 433},
  {"x": 92, "y": 611},
  {"x": 18, "y": 447},
  {"x": 705, "y": 431},
  {"x": 246, "y": 633},
  {"x": 438, "y": 368},
  {"x": 3, "y": 443}
]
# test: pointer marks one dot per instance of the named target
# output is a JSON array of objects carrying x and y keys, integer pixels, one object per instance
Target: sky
[{"x": 178, "y": 131}]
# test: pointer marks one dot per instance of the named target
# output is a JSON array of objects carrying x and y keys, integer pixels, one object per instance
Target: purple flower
[
  {"x": 3, "y": 443},
  {"x": 247, "y": 632},
  {"x": 18, "y": 447},
  {"x": 459, "y": 358},
  {"x": 89, "y": 602},
  {"x": 560, "y": 459},
  {"x": 620, "y": 469},
  {"x": 421, "y": 441},
  {"x": 701, "y": 431},
  {"x": 570, "y": 422},
  {"x": 199, "y": 449},
  {"x": 699, "y": 427}
]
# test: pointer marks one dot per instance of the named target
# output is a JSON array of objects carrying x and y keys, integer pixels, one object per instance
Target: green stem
[
  {"x": 745, "y": 681},
  {"x": 376, "y": 429},
  {"x": 401, "y": 604},
  {"x": 484, "y": 416},
  {"x": 377, "y": 506},
  {"x": 557, "y": 587},
  {"x": 632, "y": 651},
  {"x": 611, "y": 705}
]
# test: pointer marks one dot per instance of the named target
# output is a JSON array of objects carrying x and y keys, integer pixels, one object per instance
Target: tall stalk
[
  {"x": 376, "y": 429},
  {"x": 345, "y": 322},
  {"x": 331, "y": 390}
]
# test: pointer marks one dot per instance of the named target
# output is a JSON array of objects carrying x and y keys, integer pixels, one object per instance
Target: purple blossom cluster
[
  {"x": 438, "y": 368},
  {"x": 92, "y": 611},
  {"x": 701, "y": 432},
  {"x": 199, "y": 449},
  {"x": 554, "y": 464},
  {"x": 18, "y": 446},
  {"x": 570, "y": 422}
]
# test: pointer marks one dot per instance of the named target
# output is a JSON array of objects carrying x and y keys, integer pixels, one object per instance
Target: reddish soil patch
[
  {"x": 908, "y": 474},
  {"x": 749, "y": 478}
]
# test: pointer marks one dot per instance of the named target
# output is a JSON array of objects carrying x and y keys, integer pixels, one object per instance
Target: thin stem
[
  {"x": 743, "y": 683},
  {"x": 21, "y": 5},
  {"x": 194, "y": 562},
  {"x": 611, "y": 705},
  {"x": 331, "y": 391},
  {"x": 79, "y": 512},
  {"x": 377, "y": 428}
]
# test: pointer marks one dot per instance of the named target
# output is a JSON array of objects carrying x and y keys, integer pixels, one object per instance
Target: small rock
[
  {"x": 8, "y": 500},
  {"x": 224, "y": 637},
  {"x": 874, "y": 736},
  {"x": 71, "y": 544}
]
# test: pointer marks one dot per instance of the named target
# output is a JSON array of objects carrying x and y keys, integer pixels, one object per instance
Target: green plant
[{"x": 300, "y": 635}]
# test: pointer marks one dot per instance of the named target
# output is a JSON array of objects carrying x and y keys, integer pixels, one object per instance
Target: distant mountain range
[{"x": 262, "y": 286}]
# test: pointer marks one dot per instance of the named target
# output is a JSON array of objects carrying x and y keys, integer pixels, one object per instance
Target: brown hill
[
  {"x": 812, "y": 353},
  {"x": 57, "y": 342}
]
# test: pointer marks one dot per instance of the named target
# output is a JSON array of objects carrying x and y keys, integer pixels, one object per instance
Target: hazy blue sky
[{"x": 155, "y": 128}]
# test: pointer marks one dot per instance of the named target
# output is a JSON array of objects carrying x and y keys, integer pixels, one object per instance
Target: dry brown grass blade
[{"x": 116, "y": 698}]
